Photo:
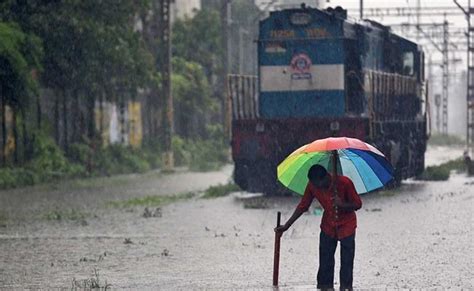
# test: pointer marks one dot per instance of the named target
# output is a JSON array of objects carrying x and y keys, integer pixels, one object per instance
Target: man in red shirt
[{"x": 338, "y": 223}]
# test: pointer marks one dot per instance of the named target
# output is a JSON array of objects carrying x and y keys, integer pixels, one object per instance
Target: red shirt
[{"x": 337, "y": 224}]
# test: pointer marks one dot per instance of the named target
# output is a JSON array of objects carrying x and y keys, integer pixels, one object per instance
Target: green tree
[
  {"x": 193, "y": 104},
  {"x": 198, "y": 40},
  {"x": 92, "y": 50},
  {"x": 20, "y": 57}
]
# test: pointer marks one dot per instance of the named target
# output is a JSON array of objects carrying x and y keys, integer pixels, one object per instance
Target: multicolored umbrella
[{"x": 365, "y": 165}]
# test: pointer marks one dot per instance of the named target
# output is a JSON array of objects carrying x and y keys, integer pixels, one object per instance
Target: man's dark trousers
[{"x": 327, "y": 248}]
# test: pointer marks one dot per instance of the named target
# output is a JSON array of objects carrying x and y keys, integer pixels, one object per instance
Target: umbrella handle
[{"x": 335, "y": 157}]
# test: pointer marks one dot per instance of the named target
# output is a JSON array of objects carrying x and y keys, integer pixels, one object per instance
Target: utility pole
[
  {"x": 470, "y": 79},
  {"x": 437, "y": 97},
  {"x": 438, "y": 112},
  {"x": 226, "y": 64},
  {"x": 445, "y": 77},
  {"x": 165, "y": 69},
  {"x": 361, "y": 8},
  {"x": 470, "y": 73},
  {"x": 470, "y": 82},
  {"x": 418, "y": 14}
]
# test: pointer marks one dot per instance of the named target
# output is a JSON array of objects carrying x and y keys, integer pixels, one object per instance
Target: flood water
[{"x": 420, "y": 236}]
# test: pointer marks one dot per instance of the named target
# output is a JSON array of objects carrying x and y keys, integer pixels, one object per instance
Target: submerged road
[{"x": 419, "y": 236}]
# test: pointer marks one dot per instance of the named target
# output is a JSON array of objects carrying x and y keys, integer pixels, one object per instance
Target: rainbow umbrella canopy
[{"x": 361, "y": 162}]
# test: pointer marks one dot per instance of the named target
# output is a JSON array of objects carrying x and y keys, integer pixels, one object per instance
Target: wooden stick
[{"x": 276, "y": 254}]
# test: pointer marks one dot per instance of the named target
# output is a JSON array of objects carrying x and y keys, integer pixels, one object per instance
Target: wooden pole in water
[{"x": 276, "y": 254}]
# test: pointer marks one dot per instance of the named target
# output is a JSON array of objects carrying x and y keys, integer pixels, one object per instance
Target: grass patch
[
  {"x": 387, "y": 192},
  {"x": 94, "y": 282},
  {"x": 156, "y": 200},
  {"x": 445, "y": 140},
  {"x": 3, "y": 219},
  {"x": 70, "y": 214},
  {"x": 435, "y": 173},
  {"x": 220, "y": 190},
  {"x": 255, "y": 203},
  {"x": 442, "y": 172}
]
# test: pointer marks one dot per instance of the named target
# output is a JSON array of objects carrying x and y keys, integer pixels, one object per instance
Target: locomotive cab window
[{"x": 408, "y": 63}]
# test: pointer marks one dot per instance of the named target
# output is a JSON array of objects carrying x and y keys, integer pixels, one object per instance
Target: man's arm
[
  {"x": 296, "y": 214},
  {"x": 300, "y": 209},
  {"x": 346, "y": 206},
  {"x": 353, "y": 201}
]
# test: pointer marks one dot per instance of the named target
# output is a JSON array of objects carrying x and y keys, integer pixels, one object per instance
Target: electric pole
[
  {"x": 165, "y": 69},
  {"x": 445, "y": 77},
  {"x": 437, "y": 101},
  {"x": 470, "y": 82},
  {"x": 226, "y": 64},
  {"x": 418, "y": 14},
  {"x": 470, "y": 73}
]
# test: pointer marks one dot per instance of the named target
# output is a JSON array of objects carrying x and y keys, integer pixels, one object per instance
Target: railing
[
  {"x": 389, "y": 97},
  {"x": 243, "y": 96}
]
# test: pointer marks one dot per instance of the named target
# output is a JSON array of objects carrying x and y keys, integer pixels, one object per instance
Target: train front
[{"x": 313, "y": 75}]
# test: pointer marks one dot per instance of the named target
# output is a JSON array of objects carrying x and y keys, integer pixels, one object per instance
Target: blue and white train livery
[{"x": 320, "y": 75}]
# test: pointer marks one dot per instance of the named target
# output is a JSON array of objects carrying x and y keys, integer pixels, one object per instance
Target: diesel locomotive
[{"x": 321, "y": 74}]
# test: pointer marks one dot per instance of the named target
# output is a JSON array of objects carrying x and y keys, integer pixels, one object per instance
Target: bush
[
  {"x": 442, "y": 172},
  {"x": 211, "y": 153},
  {"x": 181, "y": 153},
  {"x": 207, "y": 155},
  {"x": 80, "y": 153},
  {"x": 129, "y": 159},
  {"x": 25, "y": 177},
  {"x": 435, "y": 173},
  {"x": 7, "y": 178},
  {"x": 16, "y": 177},
  {"x": 152, "y": 156},
  {"x": 49, "y": 162},
  {"x": 119, "y": 159},
  {"x": 201, "y": 154}
]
